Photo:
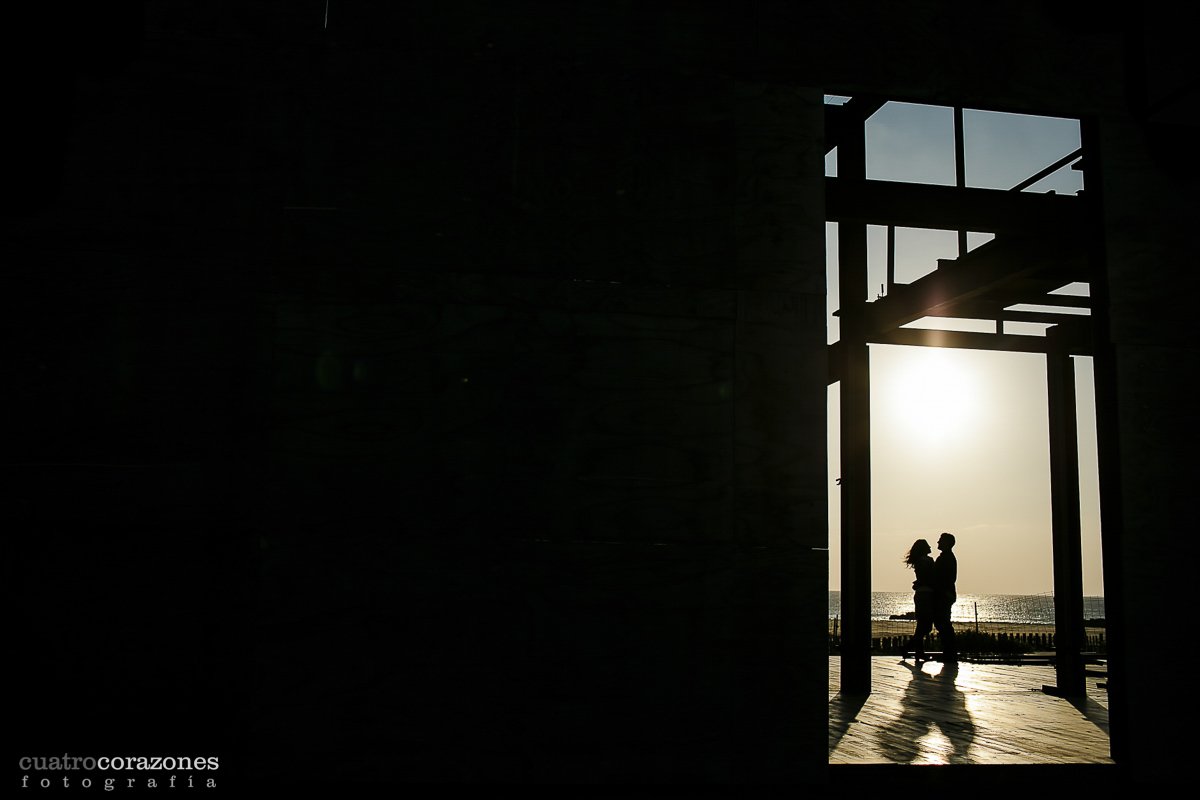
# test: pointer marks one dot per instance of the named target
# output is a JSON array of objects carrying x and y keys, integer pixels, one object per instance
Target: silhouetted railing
[{"x": 989, "y": 639}]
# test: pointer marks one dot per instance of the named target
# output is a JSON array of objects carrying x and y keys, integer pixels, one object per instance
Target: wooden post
[
  {"x": 960, "y": 168},
  {"x": 855, "y": 432},
  {"x": 1064, "y": 504},
  {"x": 1108, "y": 446}
]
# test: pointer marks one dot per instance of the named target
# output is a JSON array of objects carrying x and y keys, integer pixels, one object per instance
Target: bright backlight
[{"x": 929, "y": 394}]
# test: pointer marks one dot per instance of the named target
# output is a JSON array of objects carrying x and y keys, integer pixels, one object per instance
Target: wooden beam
[
  {"x": 999, "y": 273},
  {"x": 1077, "y": 341},
  {"x": 835, "y": 363},
  {"x": 917, "y": 205},
  {"x": 1041, "y": 316},
  {"x": 920, "y": 337},
  {"x": 1064, "y": 300},
  {"x": 845, "y": 122},
  {"x": 1017, "y": 292},
  {"x": 1047, "y": 171},
  {"x": 988, "y": 309}
]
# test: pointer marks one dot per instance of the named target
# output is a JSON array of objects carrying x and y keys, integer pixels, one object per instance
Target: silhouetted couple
[{"x": 934, "y": 594}]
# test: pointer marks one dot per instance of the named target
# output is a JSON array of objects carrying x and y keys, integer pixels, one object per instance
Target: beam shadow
[
  {"x": 1092, "y": 711},
  {"x": 843, "y": 709}
]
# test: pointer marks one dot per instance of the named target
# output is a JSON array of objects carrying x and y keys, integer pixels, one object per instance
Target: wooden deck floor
[{"x": 975, "y": 714}]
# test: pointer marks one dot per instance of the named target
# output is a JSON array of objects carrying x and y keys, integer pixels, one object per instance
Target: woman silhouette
[{"x": 924, "y": 596}]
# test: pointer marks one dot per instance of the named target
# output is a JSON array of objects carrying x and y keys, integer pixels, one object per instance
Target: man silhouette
[{"x": 945, "y": 574}]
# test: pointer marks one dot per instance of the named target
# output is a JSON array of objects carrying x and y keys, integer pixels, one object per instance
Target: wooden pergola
[{"x": 1042, "y": 243}]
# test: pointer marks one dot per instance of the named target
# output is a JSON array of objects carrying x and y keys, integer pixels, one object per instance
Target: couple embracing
[{"x": 934, "y": 594}]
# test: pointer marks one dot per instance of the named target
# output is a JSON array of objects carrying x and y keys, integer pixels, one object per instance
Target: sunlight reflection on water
[{"x": 1017, "y": 608}]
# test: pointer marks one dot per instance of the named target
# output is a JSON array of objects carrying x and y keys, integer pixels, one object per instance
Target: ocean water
[{"x": 1021, "y": 608}]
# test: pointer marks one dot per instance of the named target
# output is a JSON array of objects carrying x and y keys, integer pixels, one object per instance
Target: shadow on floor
[{"x": 842, "y": 711}]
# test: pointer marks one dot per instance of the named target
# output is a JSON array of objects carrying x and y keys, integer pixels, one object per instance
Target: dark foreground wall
[
  {"x": 423, "y": 407},
  {"x": 440, "y": 395}
]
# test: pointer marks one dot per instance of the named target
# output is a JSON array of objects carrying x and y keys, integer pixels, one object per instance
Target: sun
[{"x": 928, "y": 395}]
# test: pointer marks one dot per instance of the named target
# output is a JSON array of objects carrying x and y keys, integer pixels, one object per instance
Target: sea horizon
[{"x": 1037, "y": 609}]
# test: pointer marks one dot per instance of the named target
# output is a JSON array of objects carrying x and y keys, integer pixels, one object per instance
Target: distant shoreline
[
  {"x": 1006, "y": 610},
  {"x": 902, "y": 627}
]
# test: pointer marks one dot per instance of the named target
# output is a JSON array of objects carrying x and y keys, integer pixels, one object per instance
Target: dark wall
[
  {"x": 440, "y": 394},
  {"x": 415, "y": 405}
]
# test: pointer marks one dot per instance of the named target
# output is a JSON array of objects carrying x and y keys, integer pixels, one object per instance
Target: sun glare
[{"x": 928, "y": 394}]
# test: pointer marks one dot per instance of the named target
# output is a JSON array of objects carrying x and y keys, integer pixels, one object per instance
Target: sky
[{"x": 959, "y": 438}]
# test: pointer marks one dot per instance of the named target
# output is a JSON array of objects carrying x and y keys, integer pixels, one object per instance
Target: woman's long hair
[{"x": 919, "y": 549}]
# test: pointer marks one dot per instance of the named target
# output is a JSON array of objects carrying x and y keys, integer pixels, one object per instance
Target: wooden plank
[{"x": 977, "y": 714}]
